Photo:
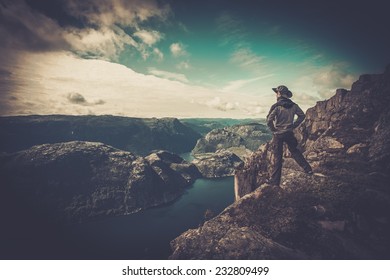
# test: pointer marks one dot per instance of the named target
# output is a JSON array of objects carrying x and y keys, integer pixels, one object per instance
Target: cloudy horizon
[{"x": 149, "y": 58}]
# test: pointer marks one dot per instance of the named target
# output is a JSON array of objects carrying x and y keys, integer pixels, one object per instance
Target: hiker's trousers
[{"x": 292, "y": 144}]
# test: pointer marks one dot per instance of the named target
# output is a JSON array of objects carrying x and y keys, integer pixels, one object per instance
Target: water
[
  {"x": 187, "y": 156},
  {"x": 146, "y": 235}
]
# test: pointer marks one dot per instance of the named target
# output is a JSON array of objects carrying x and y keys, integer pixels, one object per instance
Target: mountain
[
  {"x": 205, "y": 125},
  {"x": 221, "y": 150},
  {"x": 140, "y": 136},
  {"x": 81, "y": 181},
  {"x": 222, "y": 163},
  {"x": 240, "y": 139},
  {"x": 341, "y": 212}
]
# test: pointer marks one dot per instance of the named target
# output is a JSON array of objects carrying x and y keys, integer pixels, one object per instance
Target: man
[{"x": 281, "y": 122}]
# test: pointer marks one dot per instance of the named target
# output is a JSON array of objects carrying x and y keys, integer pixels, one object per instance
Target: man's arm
[
  {"x": 271, "y": 118},
  {"x": 301, "y": 116}
]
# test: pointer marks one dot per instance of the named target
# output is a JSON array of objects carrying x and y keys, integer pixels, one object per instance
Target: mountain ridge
[{"x": 137, "y": 135}]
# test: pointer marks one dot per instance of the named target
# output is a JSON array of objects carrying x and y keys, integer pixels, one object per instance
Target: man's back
[{"x": 281, "y": 116}]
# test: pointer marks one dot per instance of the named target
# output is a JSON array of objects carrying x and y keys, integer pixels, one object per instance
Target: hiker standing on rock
[{"x": 280, "y": 120}]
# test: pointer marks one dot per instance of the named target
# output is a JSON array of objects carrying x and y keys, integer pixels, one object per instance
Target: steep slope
[
  {"x": 140, "y": 136},
  {"x": 344, "y": 214}
]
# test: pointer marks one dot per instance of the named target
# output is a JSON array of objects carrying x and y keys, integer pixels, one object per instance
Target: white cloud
[
  {"x": 102, "y": 36},
  {"x": 149, "y": 37},
  {"x": 111, "y": 17},
  {"x": 246, "y": 58},
  {"x": 158, "y": 53},
  {"x": 117, "y": 12},
  {"x": 334, "y": 76},
  {"x": 41, "y": 83},
  {"x": 231, "y": 29},
  {"x": 239, "y": 84},
  {"x": 219, "y": 104},
  {"x": 318, "y": 83},
  {"x": 168, "y": 75},
  {"x": 184, "y": 65},
  {"x": 178, "y": 49},
  {"x": 104, "y": 43}
]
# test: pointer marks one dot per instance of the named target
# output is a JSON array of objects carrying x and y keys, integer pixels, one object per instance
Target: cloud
[
  {"x": 245, "y": 58},
  {"x": 219, "y": 104},
  {"x": 117, "y": 12},
  {"x": 239, "y": 84},
  {"x": 168, "y": 75},
  {"x": 104, "y": 43},
  {"x": 62, "y": 83},
  {"x": 233, "y": 33},
  {"x": 21, "y": 27},
  {"x": 77, "y": 98},
  {"x": 231, "y": 29},
  {"x": 149, "y": 37},
  {"x": 158, "y": 53},
  {"x": 321, "y": 82},
  {"x": 178, "y": 49},
  {"x": 335, "y": 76},
  {"x": 103, "y": 32},
  {"x": 112, "y": 18},
  {"x": 184, "y": 65}
]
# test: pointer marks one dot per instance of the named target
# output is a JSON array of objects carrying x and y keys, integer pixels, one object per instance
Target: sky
[{"x": 176, "y": 58}]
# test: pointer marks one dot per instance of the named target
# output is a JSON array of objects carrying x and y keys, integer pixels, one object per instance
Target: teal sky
[{"x": 183, "y": 58}]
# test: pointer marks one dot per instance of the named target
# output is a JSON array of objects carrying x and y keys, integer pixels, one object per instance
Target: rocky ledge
[
  {"x": 80, "y": 181},
  {"x": 342, "y": 212}
]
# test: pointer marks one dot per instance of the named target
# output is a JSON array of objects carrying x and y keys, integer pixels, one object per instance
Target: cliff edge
[{"x": 342, "y": 212}]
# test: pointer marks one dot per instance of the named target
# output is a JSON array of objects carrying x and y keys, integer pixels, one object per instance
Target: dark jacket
[{"x": 280, "y": 118}]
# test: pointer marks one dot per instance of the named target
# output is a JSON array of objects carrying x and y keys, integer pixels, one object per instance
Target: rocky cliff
[
  {"x": 80, "y": 181},
  {"x": 342, "y": 212},
  {"x": 222, "y": 163},
  {"x": 139, "y": 136},
  {"x": 239, "y": 139}
]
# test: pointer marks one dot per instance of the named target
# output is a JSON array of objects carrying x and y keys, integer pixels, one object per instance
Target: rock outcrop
[
  {"x": 136, "y": 135},
  {"x": 240, "y": 139},
  {"x": 81, "y": 181},
  {"x": 222, "y": 163},
  {"x": 342, "y": 212}
]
